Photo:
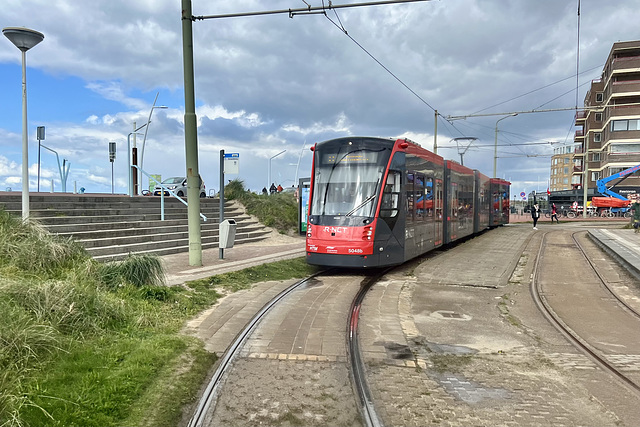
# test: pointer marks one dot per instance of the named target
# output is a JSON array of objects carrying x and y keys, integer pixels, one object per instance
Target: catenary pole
[{"x": 191, "y": 139}]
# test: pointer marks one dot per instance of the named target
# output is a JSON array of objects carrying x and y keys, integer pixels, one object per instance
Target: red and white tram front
[{"x": 354, "y": 205}]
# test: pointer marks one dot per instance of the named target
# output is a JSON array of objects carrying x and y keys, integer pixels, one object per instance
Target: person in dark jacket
[
  {"x": 535, "y": 214},
  {"x": 636, "y": 217}
]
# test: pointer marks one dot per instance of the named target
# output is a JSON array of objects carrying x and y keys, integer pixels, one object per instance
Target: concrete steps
[{"x": 111, "y": 227}]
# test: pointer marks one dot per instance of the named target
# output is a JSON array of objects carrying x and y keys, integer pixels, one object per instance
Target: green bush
[{"x": 136, "y": 270}]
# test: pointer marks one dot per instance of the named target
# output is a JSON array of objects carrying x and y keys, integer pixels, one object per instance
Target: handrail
[{"x": 184, "y": 202}]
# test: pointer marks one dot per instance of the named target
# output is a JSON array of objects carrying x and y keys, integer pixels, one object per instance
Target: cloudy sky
[{"x": 265, "y": 84}]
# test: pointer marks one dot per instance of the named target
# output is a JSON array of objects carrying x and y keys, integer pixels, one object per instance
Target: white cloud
[{"x": 270, "y": 83}]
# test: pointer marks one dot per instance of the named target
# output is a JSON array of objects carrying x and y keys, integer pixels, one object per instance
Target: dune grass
[{"x": 92, "y": 344}]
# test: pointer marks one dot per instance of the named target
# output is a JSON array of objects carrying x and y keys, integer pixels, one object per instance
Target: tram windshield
[{"x": 348, "y": 183}]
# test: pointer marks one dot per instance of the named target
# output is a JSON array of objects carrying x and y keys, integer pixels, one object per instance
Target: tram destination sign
[{"x": 358, "y": 157}]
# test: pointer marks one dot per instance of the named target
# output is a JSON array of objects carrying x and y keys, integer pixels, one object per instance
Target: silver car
[{"x": 177, "y": 184}]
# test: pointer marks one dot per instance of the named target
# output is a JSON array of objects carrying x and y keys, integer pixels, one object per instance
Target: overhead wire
[
  {"x": 535, "y": 90},
  {"x": 340, "y": 26},
  {"x": 406, "y": 86},
  {"x": 346, "y": 33}
]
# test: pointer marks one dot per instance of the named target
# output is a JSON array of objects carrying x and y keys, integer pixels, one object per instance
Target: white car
[{"x": 177, "y": 184}]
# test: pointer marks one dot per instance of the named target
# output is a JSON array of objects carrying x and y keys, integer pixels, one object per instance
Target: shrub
[{"x": 29, "y": 247}]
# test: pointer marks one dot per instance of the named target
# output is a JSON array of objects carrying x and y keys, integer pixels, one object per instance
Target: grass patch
[
  {"x": 503, "y": 306},
  {"x": 244, "y": 279},
  {"x": 92, "y": 344}
]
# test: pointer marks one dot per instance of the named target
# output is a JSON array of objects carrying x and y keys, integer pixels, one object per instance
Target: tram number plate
[{"x": 355, "y": 251}]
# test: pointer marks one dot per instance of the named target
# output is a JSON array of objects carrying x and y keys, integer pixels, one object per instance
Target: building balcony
[
  {"x": 625, "y": 87},
  {"x": 623, "y": 158},
  {"x": 624, "y": 110},
  {"x": 626, "y": 63},
  {"x": 577, "y": 169},
  {"x": 579, "y": 135},
  {"x": 581, "y": 116}
]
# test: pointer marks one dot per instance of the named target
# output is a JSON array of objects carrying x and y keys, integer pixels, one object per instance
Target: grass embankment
[
  {"x": 279, "y": 211},
  {"x": 91, "y": 344}
]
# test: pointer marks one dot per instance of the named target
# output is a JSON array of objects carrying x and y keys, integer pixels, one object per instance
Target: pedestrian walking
[
  {"x": 554, "y": 213},
  {"x": 535, "y": 214},
  {"x": 272, "y": 189}
]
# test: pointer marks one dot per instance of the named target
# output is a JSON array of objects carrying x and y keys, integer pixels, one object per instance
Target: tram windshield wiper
[{"x": 367, "y": 200}]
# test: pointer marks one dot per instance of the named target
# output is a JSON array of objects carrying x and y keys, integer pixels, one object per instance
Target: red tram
[{"x": 377, "y": 202}]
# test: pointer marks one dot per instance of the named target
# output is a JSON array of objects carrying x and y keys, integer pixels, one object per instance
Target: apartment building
[
  {"x": 563, "y": 168},
  {"x": 607, "y": 138}
]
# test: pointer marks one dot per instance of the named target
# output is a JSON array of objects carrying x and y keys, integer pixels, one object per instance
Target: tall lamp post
[
  {"x": 129, "y": 165},
  {"x": 24, "y": 39},
  {"x": 495, "y": 146},
  {"x": 153, "y": 107},
  {"x": 270, "y": 166}
]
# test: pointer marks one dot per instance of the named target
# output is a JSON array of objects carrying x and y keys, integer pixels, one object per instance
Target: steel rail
[
  {"x": 625, "y": 304},
  {"x": 232, "y": 352},
  {"x": 555, "y": 320},
  {"x": 358, "y": 374}
]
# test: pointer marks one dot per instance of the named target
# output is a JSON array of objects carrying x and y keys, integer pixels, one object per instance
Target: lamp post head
[{"x": 23, "y": 38}]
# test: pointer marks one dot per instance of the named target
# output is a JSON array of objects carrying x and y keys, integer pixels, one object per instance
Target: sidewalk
[
  {"x": 622, "y": 244},
  {"x": 275, "y": 248},
  {"x": 516, "y": 218}
]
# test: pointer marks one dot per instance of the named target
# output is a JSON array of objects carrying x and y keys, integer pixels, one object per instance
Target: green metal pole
[{"x": 191, "y": 139}]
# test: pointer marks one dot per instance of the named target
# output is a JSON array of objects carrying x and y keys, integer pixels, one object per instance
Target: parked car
[{"x": 177, "y": 184}]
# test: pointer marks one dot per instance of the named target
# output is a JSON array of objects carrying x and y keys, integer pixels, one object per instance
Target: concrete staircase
[{"x": 111, "y": 227}]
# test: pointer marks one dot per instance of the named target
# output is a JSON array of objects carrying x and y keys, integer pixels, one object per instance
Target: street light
[
  {"x": 24, "y": 39},
  {"x": 129, "y": 165},
  {"x": 495, "y": 146},
  {"x": 153, "y": 107},
  {"x": 269, "y": 184}
]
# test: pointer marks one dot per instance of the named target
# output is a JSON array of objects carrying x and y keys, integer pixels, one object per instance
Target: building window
[
  {"x": 595, "y": 157},
  {"x": 566, "y": 171},
  {"x": 597, "y": 137},
  {"x": 595, "y": 176},
  {"x": 598, "y": 117},
  {"x": 619, "y": 125},
  {"x": 625, "y": 148},
  {"x": 565, "y": 181},
  {"x": 566, "y": 160},
  {"x": 599, "y": 97}
]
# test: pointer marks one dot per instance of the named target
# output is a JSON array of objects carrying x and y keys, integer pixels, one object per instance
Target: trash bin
[{"x": 227, "y": 230}]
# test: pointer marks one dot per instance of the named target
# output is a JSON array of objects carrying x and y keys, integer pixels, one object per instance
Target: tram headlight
[{"x": 367, "y": 233}]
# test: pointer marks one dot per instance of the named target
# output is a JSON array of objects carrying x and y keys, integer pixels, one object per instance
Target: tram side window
[
  {"x": 410, "y": 206},
  {"x": 391, "y": 195},
  {"x": 419, "y": 198},
  {"x": 428, "y": 199}
]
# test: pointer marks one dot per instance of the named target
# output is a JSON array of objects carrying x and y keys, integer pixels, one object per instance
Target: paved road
[{"x": 453, "y": 339}]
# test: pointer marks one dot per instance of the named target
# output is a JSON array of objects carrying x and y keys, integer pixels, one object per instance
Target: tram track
[
  {"x": 356, "y": 365},
  {"x": 556, "y": 320},
  {"x": 604, "y": 282}
]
